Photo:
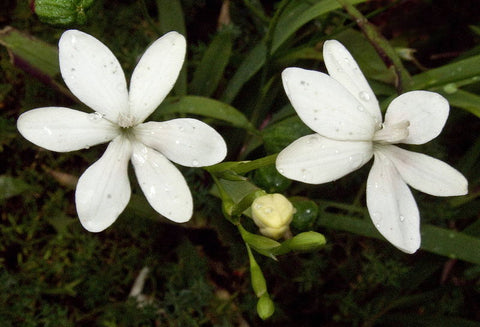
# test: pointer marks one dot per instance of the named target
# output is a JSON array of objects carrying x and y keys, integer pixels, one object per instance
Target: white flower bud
[{"x": 272, "y": 213}]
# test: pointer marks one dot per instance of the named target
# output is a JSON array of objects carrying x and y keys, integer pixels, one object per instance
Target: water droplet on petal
[
  {"x": 402, "y": 218},
  {"x": 195, "y": 163},
  {"x": 355, "y": 161},
  {"x": 360, "y": 108},
  {"x": 95, "y": 116},
  {"x": 364, "y": 96}
]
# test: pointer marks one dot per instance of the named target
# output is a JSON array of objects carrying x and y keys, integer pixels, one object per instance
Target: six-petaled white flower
[
  {"x": 344, "y": 114},
  {"x": 94, "y": 75}
]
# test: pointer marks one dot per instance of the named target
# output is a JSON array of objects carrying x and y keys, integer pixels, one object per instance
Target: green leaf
[
  {"x": 252, "y": 63},
  {"x": 451, "y": 73},
  {"x": 366, "y": 56},
  {"x": 171, "y": 18},
  {"x": 465, "y": 100},
  {"x": 297, "y": 14},
  {"x": 277, "y": 136},
  {"x": 202, "y": 106},
  {"x": 210, "y": 70},
  {"x": 30, "y": 53},
  {"x": 437, "y": 240},
  {"x": 62, "y": 12},
  {"x": 11, "y": 186}
]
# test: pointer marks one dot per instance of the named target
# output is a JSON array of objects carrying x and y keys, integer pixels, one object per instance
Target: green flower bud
[
  {"x": 306, "y": 213},
  {"x": 265, "y": 307},
  {"x": 272, "y": 213},
  {"x": 270, "y": 179}
]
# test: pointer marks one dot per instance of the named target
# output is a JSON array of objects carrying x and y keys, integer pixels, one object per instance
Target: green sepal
[{"x": 305, "y": 215}]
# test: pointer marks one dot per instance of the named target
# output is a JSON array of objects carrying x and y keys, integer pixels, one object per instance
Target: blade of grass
[
  {"x": 210, "y": 70},
  {"x": 202, "y": 106},
  {"x": 448, "y": 243}
]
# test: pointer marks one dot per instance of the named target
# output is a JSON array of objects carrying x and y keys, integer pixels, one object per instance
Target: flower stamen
[{"x": 390, "y": 134}]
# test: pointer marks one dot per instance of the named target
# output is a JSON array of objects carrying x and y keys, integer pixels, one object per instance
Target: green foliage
[{"x": 214, "y": 271}]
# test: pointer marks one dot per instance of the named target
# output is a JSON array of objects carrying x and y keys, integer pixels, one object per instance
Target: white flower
[
  {"x": 344, "y": 113},
  {"x": 94, "y": 75}
]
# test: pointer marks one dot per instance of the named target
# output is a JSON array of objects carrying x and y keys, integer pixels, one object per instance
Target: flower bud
[{"x": 272, "y": 213}]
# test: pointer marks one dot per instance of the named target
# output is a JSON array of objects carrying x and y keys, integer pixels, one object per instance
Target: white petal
[
  {"x": 156, "y": 74},
  {"x": 315, "y": 159},
  {"x": 425, "y": 173},
  {"x": 342, "y": 67},
  {"x": 188, "y": 142},
  {"x": 93, "y": 74},
  {"x": 326, "y": 106},
  {"x": 392, "y": 207},
  {"x": 164, "y": 186},
  {"x": 62, "y": 129},
  {"x": 426, "y": 112},
  {"x": 103, "y": 190}
]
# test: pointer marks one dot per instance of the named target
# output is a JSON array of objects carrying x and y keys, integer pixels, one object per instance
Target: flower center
[
  {"x": 390, "y": 134},
  {"x": 126, "y": 120}
]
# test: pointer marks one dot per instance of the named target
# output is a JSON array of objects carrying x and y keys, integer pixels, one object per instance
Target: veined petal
[
  {"x": 326, "y": 106},
  {"x": 162, "y": 183},
  {"x": 425, "y": 173},
  {"x": 391, "y": 206},
  {"x": 426, "y": 112},
  {"x": 63, "y": 129},
  {"x": 93, "y": 74},
  {"x": 155, "y": 74},
  {"x": 188, "y": 142},
  {"x": 103, "y": 190},
  {"x": 343, "y": 68},
  {"x": 315, "y": 159}
]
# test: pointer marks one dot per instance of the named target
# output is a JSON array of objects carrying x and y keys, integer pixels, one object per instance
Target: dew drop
[
  {"x": 402, "y": 218},
  {"x": 281, "y": 171},
  {"x": 268, "y": 210},
  {"x": 95, "y": 116},
  {"x": 355, "y": 161},
  {"x": 195, "y": 163},
  {"x": 364, "y": 96},
  {"x": 360, "y": 108},
  {"x": 305, "y": 174}
]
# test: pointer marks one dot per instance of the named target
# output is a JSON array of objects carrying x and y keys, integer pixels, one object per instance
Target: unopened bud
[{"x": 272, "y": 213}]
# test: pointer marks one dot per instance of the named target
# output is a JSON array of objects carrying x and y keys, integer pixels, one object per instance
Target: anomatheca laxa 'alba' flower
[
  {"x": 344, "y": 114},
  {"x": 96, "y": 78}
]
